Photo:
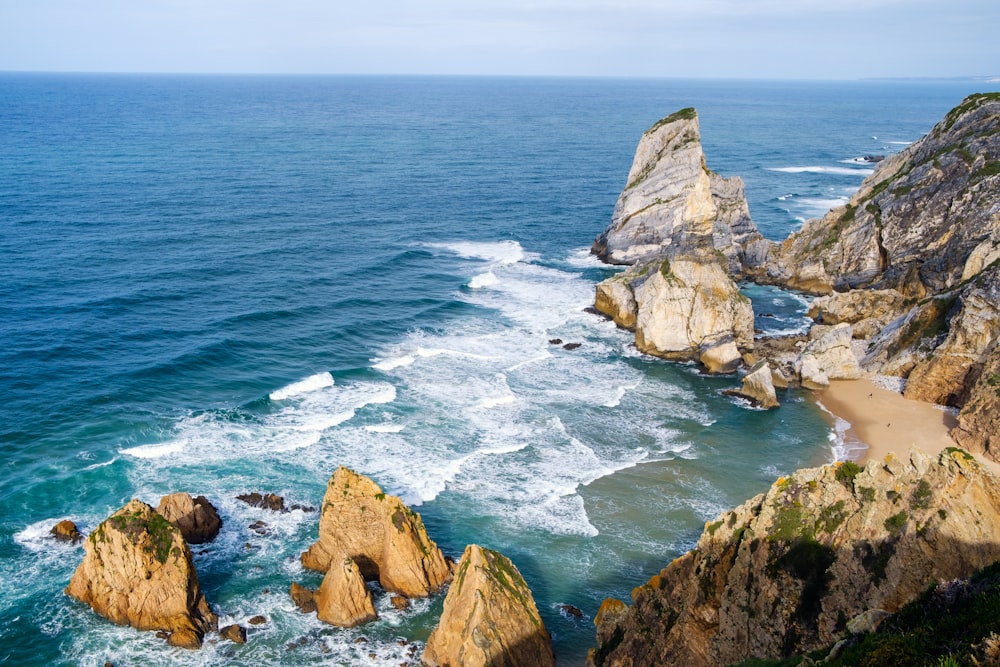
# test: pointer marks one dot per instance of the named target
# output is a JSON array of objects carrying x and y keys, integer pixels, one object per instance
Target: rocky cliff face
[
  {"x": 380, "y": 533},
  {"x": 138, "y": 571},
  {"x": 927, "y": 219},
  {"x": 489, "y": 618},
  {"x": 786, "y": 572}
]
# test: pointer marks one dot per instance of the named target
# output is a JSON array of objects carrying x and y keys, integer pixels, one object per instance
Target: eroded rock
[
  {"x": 66, "y": 531},
  {"x": 380, "y": 533},
  {"x": 343, "y": 599},
  {"x": 197, "y": 518},
  {"x": 138, "y": 571},
  {"x": 489, "y": 618}
]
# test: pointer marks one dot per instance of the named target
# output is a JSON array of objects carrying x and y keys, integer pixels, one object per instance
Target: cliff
[{"x": 787, "y": 571}]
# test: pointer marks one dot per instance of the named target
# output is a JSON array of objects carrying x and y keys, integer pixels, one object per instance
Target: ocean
[{"x": 224, "y": 284}]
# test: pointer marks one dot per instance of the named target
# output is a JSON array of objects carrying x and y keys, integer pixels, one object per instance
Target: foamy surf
[
  {"x": 487, "y": 279},
  {"x": 500, "y": 252},
  {"x": 311, "y": 383},
  {"x": 836, "y": 171}
]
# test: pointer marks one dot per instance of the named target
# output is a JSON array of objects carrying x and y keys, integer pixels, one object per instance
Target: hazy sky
[{"x": 822, "y": 39}]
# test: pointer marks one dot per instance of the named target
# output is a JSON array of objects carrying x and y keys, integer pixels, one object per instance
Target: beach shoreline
[{"x": 882, "y": 422}]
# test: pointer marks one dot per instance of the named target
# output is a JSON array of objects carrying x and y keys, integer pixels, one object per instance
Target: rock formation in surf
[
  {"x": 684, "y": 229},
  {"x": 138, "y": 571},
  {"x": 386, "y": 539},
  {"x": 787, "y": 571},
  {"x": 758, "y": 387},
  {"x": 490, "y": 618},
  {"x": 197, "y": 518}
]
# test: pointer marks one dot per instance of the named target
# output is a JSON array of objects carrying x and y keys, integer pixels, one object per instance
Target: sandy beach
[{"x": 885, "y": 421}]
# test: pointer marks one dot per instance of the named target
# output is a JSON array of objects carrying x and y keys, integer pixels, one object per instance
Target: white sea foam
[
  {"x": 496, "y": 402},
  {"x": 482, "y": 280},
  {"x": 390, "y": 364},
  {"x": 501, "y": 252},
  {"x": 583, "y": 258},
  {"x": 311, "y": 383},
  {"x": 899, "y": 143},
  {"x": 95, "y": 466},
  {"x": 837, "y": 171},
  {"x": 154, "y": 451},
  {"x": 385, "y": 428}
]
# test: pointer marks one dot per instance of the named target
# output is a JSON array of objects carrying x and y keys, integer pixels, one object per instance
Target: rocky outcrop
[
  {"x": 138, "y": 571},
  {"x": 489, "y": 618},
  {"x": 927, "y": 219},
  {"x": 758, "y": 387},
  {"x": 197, "y": 518},
  {"x": 682, "y": 308},
  {"x": 828, "y": 356},
  {"x": 977, "y": 428},
  {"x": 343, "y": 599},
  {"x": 685, "y": 230},
  {"x": 868, "y": 311},
  {"x": 787, "y": 571},
  {"x": 380, "y": 533}
]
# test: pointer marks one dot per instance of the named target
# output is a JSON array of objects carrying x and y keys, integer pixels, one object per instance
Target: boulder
[
  {"x": 784, "y": 573},
  {"x": 830, "y": 356},
  {"x": 343, "y": 599},
  {"x": 138, "y": 571},
  {"x": 66, "y": 531},
  {"x": 267, "y": 501},
  {"x": 614, "y": 298},
  {"x": 758, "y": 387},
  {"x": 489, "y": 618},
  {"x": 197, "y": 518},
  {"x": 380, "y": 533},
  {"x": 304, "y": 598}
]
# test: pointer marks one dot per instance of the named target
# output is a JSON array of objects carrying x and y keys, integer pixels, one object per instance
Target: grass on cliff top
[
  {"x": 940, "y": 628},
  {"x": 687, "y": 113}
]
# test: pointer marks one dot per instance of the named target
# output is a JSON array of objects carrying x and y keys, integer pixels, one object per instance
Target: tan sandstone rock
[
  {"x": 343, "y": 599},
  {"x": 783, "y": 573},
  {"x": 197, "y": 518},
  {"x": 138, "y": 571},
  {"x": 66, "y": 531},
  {"x": 489, "y": 618},
  {"x": 380, "y": 533}
]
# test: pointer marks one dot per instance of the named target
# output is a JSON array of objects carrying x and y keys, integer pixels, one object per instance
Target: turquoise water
[{"x": 230, "y": 284}]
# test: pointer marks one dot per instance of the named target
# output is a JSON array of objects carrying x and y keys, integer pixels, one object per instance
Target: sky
[{"x": 769, "y": 39}]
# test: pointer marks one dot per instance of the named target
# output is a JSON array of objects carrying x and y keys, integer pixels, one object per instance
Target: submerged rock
[
  {"x": 380, "y": 533},
  {"x": 197, "y": 518},
  {"x": 783, "y": 573},
  {"x": 268, "y": 501},
  {"x": 138, "y": 571},
  {"x": 489, "y": 618}
]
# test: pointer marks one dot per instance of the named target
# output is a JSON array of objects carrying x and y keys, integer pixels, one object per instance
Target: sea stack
[
  {"x": 684, "y": 230},
  {"x": 385, "y": 538},
  {"x": 138, "y": 571},
  {"x": 489, "y": 619}
]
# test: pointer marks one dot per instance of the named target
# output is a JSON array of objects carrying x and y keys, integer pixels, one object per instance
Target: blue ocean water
[{"x": 227, "y": 284}]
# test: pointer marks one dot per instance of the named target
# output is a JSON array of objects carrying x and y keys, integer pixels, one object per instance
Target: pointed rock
[
  {"x": 758, "y": 387},
  {"x": 138, "y": 571},
  {"x": 197, "y": 518},
  {"x": 380, "y": 533},
  {"x": 490, "y": 618},
  {"x": 343, "y": 599}
]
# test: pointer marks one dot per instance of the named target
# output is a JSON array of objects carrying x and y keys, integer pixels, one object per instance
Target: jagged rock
[
  {"x": 234, "y": 633},
  {"x": 489, "y": 617},
  {"x": 304, "y": 598},
  {"x": 267, "y": 501},
  {"x": 66, "y": 531},
  {"x": 828, "y": 357},
  {"x": 257, "y": 620},
  {"x": 925, "y": 220},
  {"x": 977, "y": 429},
  {"x": 781, "y": 574},
  {"x": 197, "y": 518},
  {"x": 380, "y": 533},
  {"x": 400, "y": 602},
  {"x": 672, "y": 199},
  {"x": 614, "y": 298},
  {"x": 758, "y": 387},
  {"x": 138, "y": 571},
  {"x": 570, "y": 610},
  {"x": 343, "y": 599},
  {"x": 851, "y": 307}
]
